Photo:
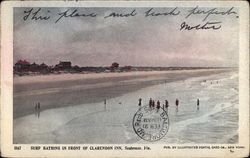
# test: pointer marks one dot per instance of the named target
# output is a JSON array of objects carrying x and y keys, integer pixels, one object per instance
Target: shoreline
[
  {"x": 77, "y": 76},
  {"x": 218, "y": 110},
  {"x": 91, "y": 89}
]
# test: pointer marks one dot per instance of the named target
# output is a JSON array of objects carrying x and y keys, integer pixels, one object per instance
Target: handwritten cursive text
[
  {"x": 206, "y": 26},
  {"x": 70, "y": 14}
]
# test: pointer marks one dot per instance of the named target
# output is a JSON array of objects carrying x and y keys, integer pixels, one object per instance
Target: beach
[
  {"x": 53, "y": 91},
  {"x": 90, "y": 121}
]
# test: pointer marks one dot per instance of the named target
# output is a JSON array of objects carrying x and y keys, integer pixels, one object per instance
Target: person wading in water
[
  {"x": 38, "y": 106},
  {"x": 177, "y": 104},
  {"x": 158, "y": 105},
  {"x": 37, "y": 109},
  {"x": 140, "y": 102},
  {"x": 198, "y": 104},
  {"x": 166, "y": 105},
  {"x": 150, "y": 102}
]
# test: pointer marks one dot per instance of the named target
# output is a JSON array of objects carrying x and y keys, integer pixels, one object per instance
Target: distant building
[
  {"x": 76, "y": 68},
  {"x": 63, "y": 65},
  {"x": 44, "y": 68},
  {"x": 126, "y": 68},
  {"x": 22, "y": 65},
  {"x": 34, "y": 67},
  {"x": 114, "y": 65},
  {"x": 43, "y": 65}
]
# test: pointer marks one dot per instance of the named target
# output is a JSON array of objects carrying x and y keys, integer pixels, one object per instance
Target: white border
[{"x": 7, "y": 82}]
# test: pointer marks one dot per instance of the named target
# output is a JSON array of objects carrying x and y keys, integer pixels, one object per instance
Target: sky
[{"x": 135, "y": 41}]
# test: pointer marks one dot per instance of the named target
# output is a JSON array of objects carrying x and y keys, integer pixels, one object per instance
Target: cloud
[{"x": 135, "y": 40}]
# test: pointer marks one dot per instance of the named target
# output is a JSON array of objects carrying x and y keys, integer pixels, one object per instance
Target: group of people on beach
[{"x": 153, "y": 104}]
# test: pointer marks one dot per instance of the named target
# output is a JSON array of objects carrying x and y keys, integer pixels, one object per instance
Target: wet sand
[{"x": 60, "y": 90}]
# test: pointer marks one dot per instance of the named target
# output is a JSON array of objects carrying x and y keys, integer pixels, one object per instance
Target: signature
[{"x": 206, "y": 26}]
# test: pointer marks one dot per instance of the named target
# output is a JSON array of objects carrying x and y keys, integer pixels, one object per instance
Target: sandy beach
[
  {"x": 53, "y": 91},
  {"x": 69, "y": 77},
  {"x": 80, "y": 117}
]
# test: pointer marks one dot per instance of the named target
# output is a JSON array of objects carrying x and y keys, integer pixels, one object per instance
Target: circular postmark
[{"x": 151, "y": 124}]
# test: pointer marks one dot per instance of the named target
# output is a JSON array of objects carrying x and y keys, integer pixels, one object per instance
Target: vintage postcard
[{"x": 125, "y": 79}]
